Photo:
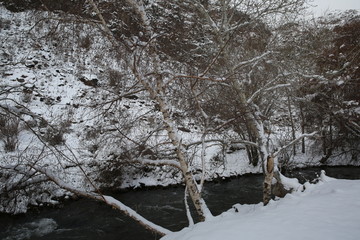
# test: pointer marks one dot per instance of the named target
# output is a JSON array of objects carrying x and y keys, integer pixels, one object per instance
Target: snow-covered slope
[{"x": 328, "y": 210}]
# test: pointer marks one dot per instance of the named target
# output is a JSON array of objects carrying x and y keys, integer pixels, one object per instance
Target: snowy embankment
[{"x": 327, "y": 210}]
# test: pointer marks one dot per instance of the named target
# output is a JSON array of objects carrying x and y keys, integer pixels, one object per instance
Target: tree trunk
[
  {"x": 253, "y": 152},
  {"x": 255, "y": 124},
  {"x": 269, "y": 173},
  {"x": 279, "y": 189},
  {"x": 172, "y": 131},
  {"x": 292, "y": 123},
  {"x": 302, "y": 128},
  {"x": 253, "y": 155}
]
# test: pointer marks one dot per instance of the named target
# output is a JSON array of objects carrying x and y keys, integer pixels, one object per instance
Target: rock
[{"x": 89, "y": 82}]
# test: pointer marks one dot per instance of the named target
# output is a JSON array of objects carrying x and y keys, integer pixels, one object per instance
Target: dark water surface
[{"x": 85, "y": 219}]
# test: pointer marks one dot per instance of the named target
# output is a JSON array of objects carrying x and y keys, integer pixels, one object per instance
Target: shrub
[
  {"x": 115, "y": 78},
  {"x": 9, "y": 131},
  {"x": 54, "y": 136},
  {"x": 85, "y": 42}
]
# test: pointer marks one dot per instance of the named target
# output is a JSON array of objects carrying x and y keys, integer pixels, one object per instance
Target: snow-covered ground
[{"x": 327, "y": 210}]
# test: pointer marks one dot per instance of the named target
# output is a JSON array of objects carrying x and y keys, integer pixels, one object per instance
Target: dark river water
[{"x": 85, "y": 219}]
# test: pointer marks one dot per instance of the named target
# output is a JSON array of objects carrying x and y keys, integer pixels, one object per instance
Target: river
[{"x": 86, "y": 219}]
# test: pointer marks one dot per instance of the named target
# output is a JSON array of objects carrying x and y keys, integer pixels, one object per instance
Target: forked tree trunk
[
  {"x": 157, "y": 93},
  {"x": 256, "y": 127},
  {"x": 190, "y": 183}
]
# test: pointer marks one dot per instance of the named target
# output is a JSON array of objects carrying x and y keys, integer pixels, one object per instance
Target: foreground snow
[{"x": 327, "y": 210}]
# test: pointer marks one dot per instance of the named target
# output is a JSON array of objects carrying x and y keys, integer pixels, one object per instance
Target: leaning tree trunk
[
  {"x": 157, "y": 94},
  {"x": 256, "y": 127},
  {"x": 190, "y": 183},
  {"x": 270, "y": 169}
]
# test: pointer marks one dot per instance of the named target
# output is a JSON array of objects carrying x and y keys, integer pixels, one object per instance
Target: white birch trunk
[
  {"x": 269, "y": 174},
  {"x": 187, "y": 208}
]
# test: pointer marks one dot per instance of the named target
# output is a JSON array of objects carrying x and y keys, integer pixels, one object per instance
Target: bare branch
[
  {"x": 221, "y": 141},
  {"x": 172, "y": 163},
  {"x": 293, "y": 142},
  {"x": 201, "y": 78},
  {"x": 206, "y": 15},
  {"x": 267, "y": 88},
  {"x": 255, "y": 59}
]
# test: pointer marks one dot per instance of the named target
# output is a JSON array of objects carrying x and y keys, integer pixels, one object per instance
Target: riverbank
[
  {"x": 303, "y": 174},
  {"x": 328, "y": 210},
  {"x": 90, "y": 220}
]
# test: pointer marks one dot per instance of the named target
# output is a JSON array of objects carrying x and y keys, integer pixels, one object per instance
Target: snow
[
  {"x": 290, "y": 183},
  {"x": 327, "y": 210}
]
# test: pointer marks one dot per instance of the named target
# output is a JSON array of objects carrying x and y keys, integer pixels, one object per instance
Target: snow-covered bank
[{"x": 327, "y": 210}]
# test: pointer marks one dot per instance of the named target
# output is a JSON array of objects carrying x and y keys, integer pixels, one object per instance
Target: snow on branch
[
  {"x": 131, "y": 213},
  {"x": 222, "y": 142},
  {"x": 314, "y": 76},
  {"x": 17, "y": 110},
  {"x": 29, "y": 177},
  {"x": 205, "y": 14},
  {"x": 294, "y": 141},
  {"x": 266, "y": 88},
  {"x": 277, "y": 86},
  {"x": 27, "y": 182},
  {"x": 138, "y": 6},
  {"x": 103, "y": 22},
  {"x": 200, "y": 78},
  {"x": 171, "y": 163},
  {"x": 237, "y": 26},
  {"x": 223, "y": 124},
  {"x": 255, "y": 59},
  {"x": 354, "y": 127}
]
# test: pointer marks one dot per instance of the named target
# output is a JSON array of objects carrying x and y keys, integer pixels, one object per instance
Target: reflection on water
[{"x": 86, "y": 219}]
